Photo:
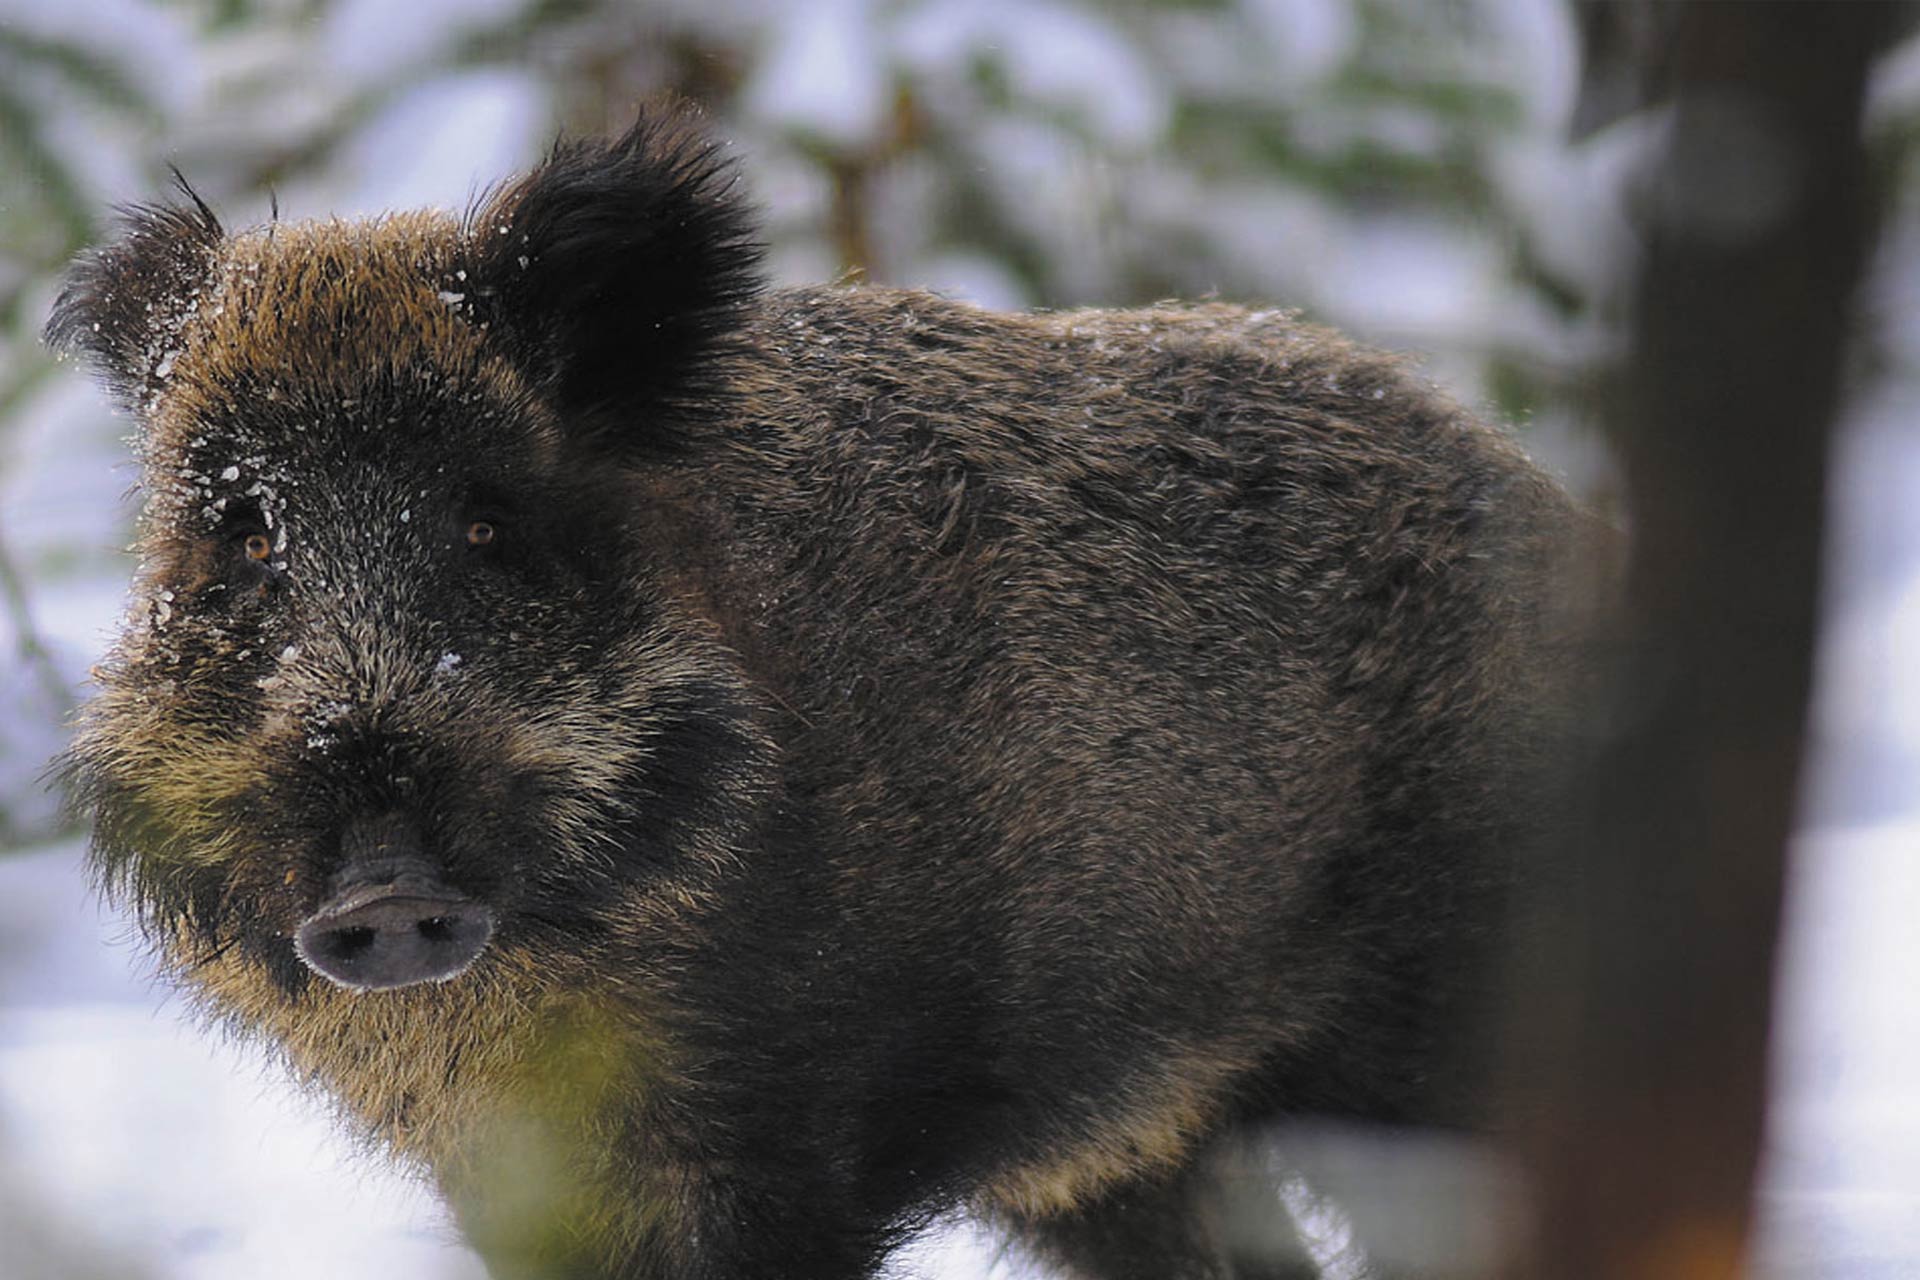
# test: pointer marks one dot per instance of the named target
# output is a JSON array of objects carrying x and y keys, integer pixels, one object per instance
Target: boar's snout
[{"x": 391, "y": 925}]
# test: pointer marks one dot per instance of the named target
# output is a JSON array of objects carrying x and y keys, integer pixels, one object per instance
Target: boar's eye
[
  {"x": 252, "y": 554},
  {"x": 248, "y": 549},
  {"x": 483, "y": 522}
]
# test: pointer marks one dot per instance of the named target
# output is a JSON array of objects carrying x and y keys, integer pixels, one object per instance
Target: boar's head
[{"x": 399, "y": 691}]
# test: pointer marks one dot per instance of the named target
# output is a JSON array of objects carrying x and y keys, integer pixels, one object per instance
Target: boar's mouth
[{"x": 393, "y": 925}]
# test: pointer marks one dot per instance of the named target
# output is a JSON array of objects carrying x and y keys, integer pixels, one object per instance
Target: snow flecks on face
[
  {"x": 321, "y": 723},
  {"x": 270, "y": 504}
]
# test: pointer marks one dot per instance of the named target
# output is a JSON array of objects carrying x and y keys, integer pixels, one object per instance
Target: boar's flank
[{"x": 720, "y": 775}]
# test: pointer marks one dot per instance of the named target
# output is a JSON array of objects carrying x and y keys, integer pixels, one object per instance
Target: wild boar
[{"x": 720, "y": 775}]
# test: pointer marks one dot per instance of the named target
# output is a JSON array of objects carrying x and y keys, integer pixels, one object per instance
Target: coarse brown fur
[{"x": 915, "y": 757}]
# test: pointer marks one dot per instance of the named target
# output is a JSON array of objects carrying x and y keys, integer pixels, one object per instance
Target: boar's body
[{"x": 898, "y": 756}]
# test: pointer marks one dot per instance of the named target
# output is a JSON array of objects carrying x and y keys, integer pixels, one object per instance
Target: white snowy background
[{"x": 132, "y": 1145}]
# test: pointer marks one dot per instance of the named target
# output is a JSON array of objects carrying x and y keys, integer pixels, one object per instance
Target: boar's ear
[
  {"x": 616, "y": 273},
  {"x": 125, "y": 303}
]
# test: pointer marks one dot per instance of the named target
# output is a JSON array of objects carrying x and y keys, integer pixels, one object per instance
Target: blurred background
[{"x": 1444, "y": 177}]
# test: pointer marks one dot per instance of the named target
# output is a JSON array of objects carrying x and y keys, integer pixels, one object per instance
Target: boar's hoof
[{"x": 372, "y": 936}]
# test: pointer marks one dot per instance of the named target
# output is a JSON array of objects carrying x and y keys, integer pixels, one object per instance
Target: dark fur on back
[{"x": 916, "y": 757}]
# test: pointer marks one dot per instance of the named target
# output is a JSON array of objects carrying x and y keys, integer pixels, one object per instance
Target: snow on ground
[
  {"x": 1841, "y": 1186},
  {"x": 1842, "y": 1194}
]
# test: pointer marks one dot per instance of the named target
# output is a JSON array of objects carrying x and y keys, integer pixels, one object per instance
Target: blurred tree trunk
[{"x": 1756, "y": 223}]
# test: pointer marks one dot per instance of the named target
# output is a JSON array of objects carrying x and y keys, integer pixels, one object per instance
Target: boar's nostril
[{"x": 394, "y": 935}]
